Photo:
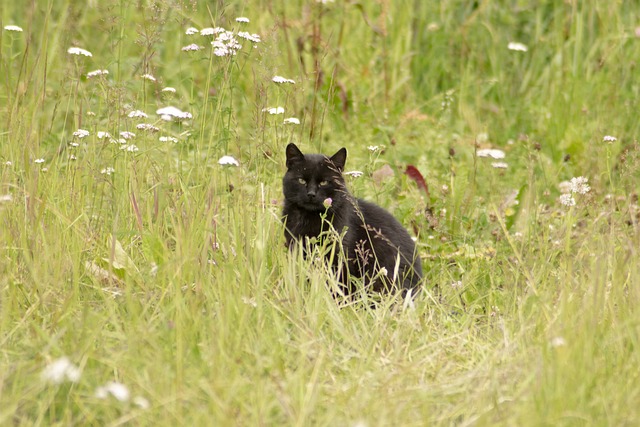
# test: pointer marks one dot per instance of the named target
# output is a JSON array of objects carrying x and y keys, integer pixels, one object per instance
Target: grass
[{"x": 170, "y": 276}]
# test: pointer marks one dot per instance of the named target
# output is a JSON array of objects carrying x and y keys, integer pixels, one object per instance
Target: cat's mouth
[{"x": 313, "y": 206}]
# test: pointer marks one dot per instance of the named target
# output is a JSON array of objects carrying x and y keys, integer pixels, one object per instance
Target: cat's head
[{"x": 312, "y": 178}]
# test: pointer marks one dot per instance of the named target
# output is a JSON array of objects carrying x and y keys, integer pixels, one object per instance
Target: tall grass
[{"x": 168, "y": 273}]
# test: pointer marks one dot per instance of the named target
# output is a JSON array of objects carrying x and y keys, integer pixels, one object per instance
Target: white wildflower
[
  {"x": 14, "y": 28},
  {"x": 491, "y": 152},
  {"x": 211, "y": 31},
  {"x": 107, "y": 171},
  {"x": 115, "y": 389},
  {"x": 579, "y": 185},
  {"x": 148, "y": 77},
  {"x": 457, "y": 285},
  {"x": 168, "y": 113},
  {"x": 169, "y": 89},
  {"x": 137, "y": 114},
  {"x": 292, "y": 121},
  {"x": 74, "y": 144},
  {"x": 39, "y": 161},
  {"x": 567, "y": 200},
  {"x": 610, "y": 139},
  {"x": 81, "y": 133},
  {"x": 280, "y": 79},
  {"x": 130, "y": 148},
  {"x": 558, "y": 342},
  {"x": 250, "y": 301},
  {"x": 564, "y": 187},
  {"x": 242, "y": 19},
  {"x": 127, "y": 135},
  {"x": 61, "y": 370},
  {"x": 499, "y": 165},
  {"x": 102, "y": 134},
  {"x": 354, "y": 174},
  {"x": 141, "y": 402},
  {"x": 373, "y": 148},
  {"x": 228, "y": 161},
  {"x": 191, "y": 31},
  {"x": 192, "y": 48},
  {"x": 519, "y": 47},
  {"x": 96, "y": 73},
  {"x": 73, "y": 157},
  {"x": 8, "y": 163},
  {"x": 6, "y": 198},
  {"x": 147, "y": 127},
  {"x": 255, "y": 38},
  {"x": 168, "y": 139},
  {"x": 274, "y": 110},
  {"x": 78, "y": 51}
]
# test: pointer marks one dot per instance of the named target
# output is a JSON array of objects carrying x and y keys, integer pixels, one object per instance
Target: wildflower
[
  {"x": 73, "y": 157},
  {"x": 491, "y": 152},
  {"x": 168, "y": 139},
  {"x": 14, "y": 28},
  {"x": 558, "y": 342},
  {"x": 148, "y": 77},
  {"x": 564, "y": 187},
  {"x": 8, "y": 163},
  {"x": 74, "y": 144},
  {"x": 115, "y": 389},
  {"x": 327, "y": 202},
  {"x": 137, "y": 114},
  {"x": 610, "y": 139},
  {"x": 192, "y": 48},
  {"x": 81, "y": 133},
  {"x": 579, "y": 185},
  {"x": 107, "y": 171},
  {"x": 517, "y": 47},
  {"x": 255, "y": 38},
  {"x": 191, "y": 31},
  {"x": 274, "y": 110},
  {"x": 499, "y": 165},
  {"x": 130, "y": 148},
  {"x": 127, "y": 135},
  {"x": 291, "y": 121},
  {"x": 228, "y": 161},
  {"x": 60, "y": 370},
  {"x": 95, "y": 73},
  {"x": 6, "y": 198},
  {"x": 102, "y": 134},
  {"x": 354, "y": 174},
  {"x": 147, "y": 127},
  {"x": 567, "y": 200},
  {"x": 168, "y": 113},
  {"x": 250, "y": 301},
  {"x": 141, "y": 402},
  {"x": 78, "y": 51},
  {"x": 373, "y": 148},
  {"x": 457, "y": 285},
  {"x": 38, "y": 161},
  {"x": 211, "y": 31},
  {"x": 242, "y": 19},
  {"x": 280, "y": 79},
  {"x": 482, "y": 137},
  {"x": 169, "y": 89}
]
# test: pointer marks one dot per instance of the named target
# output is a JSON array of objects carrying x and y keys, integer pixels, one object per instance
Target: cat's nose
[{"x": 311, "y": 194}]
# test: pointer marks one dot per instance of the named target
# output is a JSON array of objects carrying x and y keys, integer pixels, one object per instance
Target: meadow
[{"x": 143, "y": 274}]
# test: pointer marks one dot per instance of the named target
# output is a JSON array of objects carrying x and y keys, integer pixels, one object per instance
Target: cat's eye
[
  {"x": 324, "y": 183},
  {"x": 302, "y": 181}
]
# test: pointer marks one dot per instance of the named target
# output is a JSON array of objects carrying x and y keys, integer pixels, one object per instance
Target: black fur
[{"x": 373, "y": 238}]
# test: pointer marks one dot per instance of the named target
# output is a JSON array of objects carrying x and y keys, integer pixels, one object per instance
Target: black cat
[{"x": 374, "y": 241}]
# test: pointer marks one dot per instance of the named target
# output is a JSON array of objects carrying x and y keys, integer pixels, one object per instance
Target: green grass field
[{"x": 142, "y": 282}]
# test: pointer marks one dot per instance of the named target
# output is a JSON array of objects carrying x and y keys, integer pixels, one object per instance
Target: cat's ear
[
  {"x": 339, "y": 159},
  {"x": 293, "y": 154}
]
